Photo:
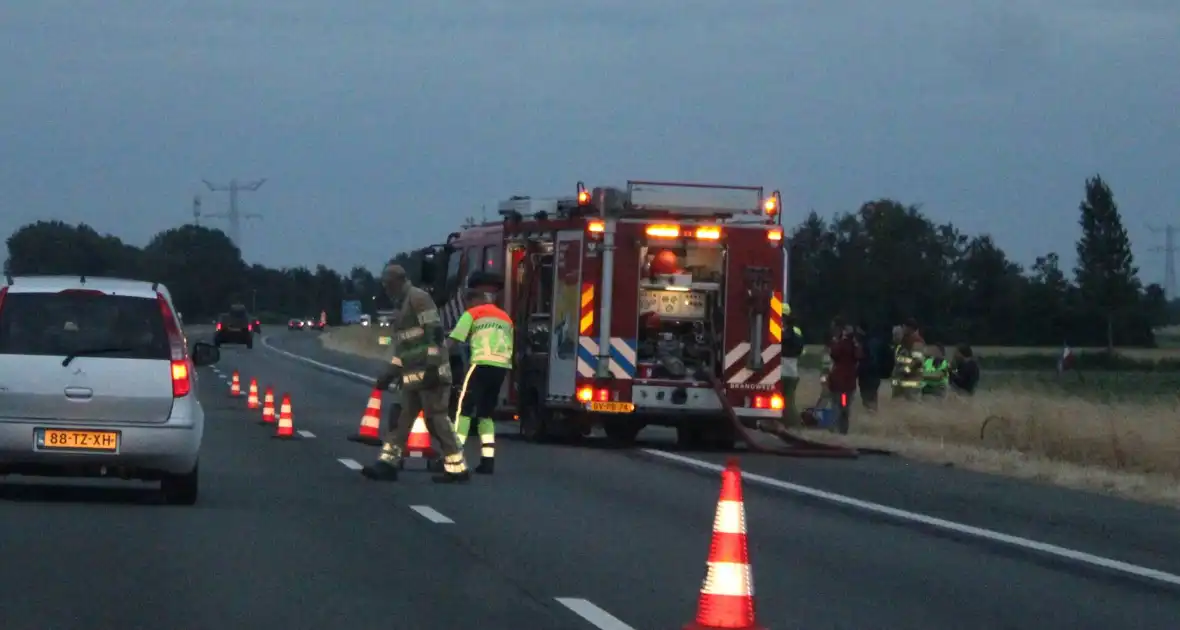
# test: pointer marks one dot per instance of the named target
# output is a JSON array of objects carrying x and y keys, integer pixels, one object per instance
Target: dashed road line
[
  {"x": 350, "y": 463},
  {"x": 587, "y": 610},
  {"x": 868, "y": 506},
  {"x": 306, "y": 434},
  {"x": 937, "y": 523},
  {"x": 432, "y": 515}
]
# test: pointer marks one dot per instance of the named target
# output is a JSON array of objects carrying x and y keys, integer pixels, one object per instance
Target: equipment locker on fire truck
[{"x": 634, "y": 306}]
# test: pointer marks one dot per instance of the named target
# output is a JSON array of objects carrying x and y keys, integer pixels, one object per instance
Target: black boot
[
  {"x": 448, "y": 477},
  {"x": 380, "y": 470},
  {"x": 487, "y": 466}
]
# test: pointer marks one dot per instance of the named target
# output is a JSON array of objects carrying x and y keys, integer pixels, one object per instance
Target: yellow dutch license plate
[
  {"x": 71, "y": 440},
  {"x": 384, "y": 341},
  {"x": 611, "y": 407}
]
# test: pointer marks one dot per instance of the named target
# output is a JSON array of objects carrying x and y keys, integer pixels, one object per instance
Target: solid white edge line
[
  {"x": 587, "y": 610},
  {"x": 350, "y": 463},
  {"x": 431, "y": 514},
  {"x": 868, "y": 506},
  {"x": 323, "y": 366},
  {"x": 938, "y": 523},
  {"x": 305, "y": 433}
]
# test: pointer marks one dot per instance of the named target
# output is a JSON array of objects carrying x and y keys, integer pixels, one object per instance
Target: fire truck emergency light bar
[{"x": 701, "y": 199}]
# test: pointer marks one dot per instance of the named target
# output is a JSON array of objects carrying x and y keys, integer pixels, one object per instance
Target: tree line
[
  {"x": 881, "y": 264},
  {"x": 201, "y": 266},
  {"x": 888, "y": 261}
]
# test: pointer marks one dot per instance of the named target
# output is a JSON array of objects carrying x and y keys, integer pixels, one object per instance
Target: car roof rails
[
  {"x": 8, "y": 278},
  {"x": 83, "y": 279},
  {"x": 155, "y": 286}
]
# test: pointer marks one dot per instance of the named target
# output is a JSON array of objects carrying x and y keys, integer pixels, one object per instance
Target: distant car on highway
[
  {"x": 295, "y": 324},
  {"x": 236, "y": 326},
  {"x": 96, "y": 381},
  {"x": 366, "y": 319},
  {"x": 313, "y": 323}
]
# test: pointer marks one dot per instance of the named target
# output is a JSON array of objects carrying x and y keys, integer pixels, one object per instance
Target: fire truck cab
[{"x": 633, "y": 306}]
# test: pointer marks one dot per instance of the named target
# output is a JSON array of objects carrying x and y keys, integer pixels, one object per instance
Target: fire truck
[{"x": 657, "y": 303}]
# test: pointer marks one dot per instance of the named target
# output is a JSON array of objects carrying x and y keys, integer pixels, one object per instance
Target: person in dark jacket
[
  {"x": 964, "y": 377},
  {"x": 846, "y": 357},
  {"x": 869, "y": 369}
]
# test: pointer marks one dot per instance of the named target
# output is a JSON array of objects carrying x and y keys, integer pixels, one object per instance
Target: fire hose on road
[{"x": 792, "y": 445}]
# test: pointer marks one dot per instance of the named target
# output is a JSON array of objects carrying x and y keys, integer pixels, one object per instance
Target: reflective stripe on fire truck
[
  {"x": 776, "y": 317},
  {"x": 770, "y": 371},
  {"x": 452, "y": 311},
  {"x": 622, "y": 357},
  {"x": 587, "y": 319}
]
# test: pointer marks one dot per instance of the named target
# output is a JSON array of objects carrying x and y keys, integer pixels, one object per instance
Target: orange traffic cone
[
  {"x": 727, "y": 595},
  {"x": 252, "y": 398},
  {"x": 286, "y": 427},
  {"x": 268, "y": 407},
  {"x": 235, "y": 385},
  {"x": 418, "y": 444},
  {"x": 370, "y": 430}
]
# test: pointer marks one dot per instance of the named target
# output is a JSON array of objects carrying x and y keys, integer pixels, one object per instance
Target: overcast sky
[{"x": 381, "y": 124}]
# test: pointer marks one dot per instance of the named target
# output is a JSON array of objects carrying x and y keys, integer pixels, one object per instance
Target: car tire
[{"x": 181, "y": 489}]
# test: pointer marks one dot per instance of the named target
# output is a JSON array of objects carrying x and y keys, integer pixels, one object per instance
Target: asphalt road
[{"x": 561, "y": 537}]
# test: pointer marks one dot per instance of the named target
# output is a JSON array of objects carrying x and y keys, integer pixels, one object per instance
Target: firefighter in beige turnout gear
[
  {"x": 420, "y": 365},
  {"x": 909, "y": 356}
]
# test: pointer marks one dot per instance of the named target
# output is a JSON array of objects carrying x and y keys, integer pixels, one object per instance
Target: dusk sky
[{"x": 381, "y": 124}]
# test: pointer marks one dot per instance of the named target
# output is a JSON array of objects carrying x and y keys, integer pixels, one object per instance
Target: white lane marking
[
  {"x": 931, "y": 521},
  {"x": 324, "y": 366},
  {"x": 586, "y": 609},
  {"x": 306, "y": 434},
  {"x": 876, "y": 508},
  {"x": 431, "y": 514},
  {"x": 350, "y": 463}
]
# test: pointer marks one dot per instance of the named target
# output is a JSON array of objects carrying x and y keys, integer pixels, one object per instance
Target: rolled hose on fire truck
[{"x": 793, "y": 446}]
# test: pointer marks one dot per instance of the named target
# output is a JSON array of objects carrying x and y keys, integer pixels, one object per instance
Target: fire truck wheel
[
  {"x": 533, "y": 422},
  {"x": 622, "y": 432}
]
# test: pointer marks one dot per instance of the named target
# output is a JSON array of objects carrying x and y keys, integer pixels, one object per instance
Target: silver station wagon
[{"x": 97, "y": 380}]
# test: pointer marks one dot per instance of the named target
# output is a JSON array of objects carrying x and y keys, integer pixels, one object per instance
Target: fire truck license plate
[{"x": 611, "y": 407}]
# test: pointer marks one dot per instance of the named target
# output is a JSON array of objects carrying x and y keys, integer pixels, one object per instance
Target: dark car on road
[
  {"x": 295, "y": 324},
  {"x": 235, "y": 327}
]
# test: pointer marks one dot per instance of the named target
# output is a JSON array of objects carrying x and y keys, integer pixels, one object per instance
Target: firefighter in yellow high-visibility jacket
[{"x": 489, "y": 332}]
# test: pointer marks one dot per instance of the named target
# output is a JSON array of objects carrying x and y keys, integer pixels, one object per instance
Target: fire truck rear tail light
[
  {"x": 774, "y": 236},
  {"x": 596, "y": 227},
  {"x": 589, "y": 394},
  {"x": 773, "y": 402},
  {"x": 663, "y": 231},
  {"x": 708, "y": 233}
]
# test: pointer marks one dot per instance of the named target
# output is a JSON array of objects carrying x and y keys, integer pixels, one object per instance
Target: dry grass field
[
  {"x": 1124, "y": 448},
  {"x": 983, "y": 352},
  {"x": 359, "y": 340},
  {"x": 1129, "y": 449}
]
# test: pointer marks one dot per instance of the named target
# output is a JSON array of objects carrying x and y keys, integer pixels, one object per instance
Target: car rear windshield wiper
[{"x": 91, "y": 352}]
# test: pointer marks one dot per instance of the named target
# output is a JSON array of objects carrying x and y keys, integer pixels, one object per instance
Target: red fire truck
[{"x": 633, "y": 306}]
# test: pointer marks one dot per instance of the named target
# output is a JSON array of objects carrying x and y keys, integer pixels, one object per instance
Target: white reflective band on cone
[
  {"x": 727, "y": 578},
  {"x": 487, "y": 451},
  {"x": 730, "y": 518}
]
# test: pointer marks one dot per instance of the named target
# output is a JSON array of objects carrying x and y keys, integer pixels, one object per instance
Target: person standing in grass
[
  {"x": 964, "y": 375},
  {"x": 936, "y": 372}
]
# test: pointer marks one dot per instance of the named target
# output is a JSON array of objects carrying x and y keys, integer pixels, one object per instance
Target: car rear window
[{"x": 58, "y": 324}]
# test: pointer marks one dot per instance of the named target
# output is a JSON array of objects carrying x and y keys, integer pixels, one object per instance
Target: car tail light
[
  {"x": 249, "y": 327},
  {"x": 218, "y": 325},
  {"x": 181, "y": 383},
  {"x": 181, "y": 379}
]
